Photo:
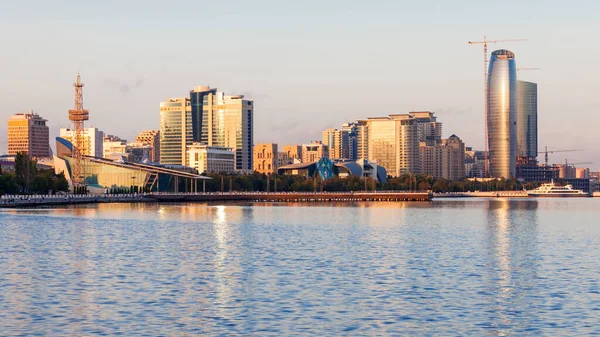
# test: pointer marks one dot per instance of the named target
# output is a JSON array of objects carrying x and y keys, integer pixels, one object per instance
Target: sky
[{"x": 308, "y": 65}]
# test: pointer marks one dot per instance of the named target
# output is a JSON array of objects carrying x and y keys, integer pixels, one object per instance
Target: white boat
[{"x": 551, "y": 190}]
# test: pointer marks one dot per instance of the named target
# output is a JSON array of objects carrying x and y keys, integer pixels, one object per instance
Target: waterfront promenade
[{"x": 8, "y": 201}]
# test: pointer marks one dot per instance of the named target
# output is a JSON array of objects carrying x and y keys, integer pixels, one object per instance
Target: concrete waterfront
[{"x": 14, "y": 201}]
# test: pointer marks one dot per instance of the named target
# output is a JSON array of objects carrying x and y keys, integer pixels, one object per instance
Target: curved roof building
[{"x": 502, "y": 114}]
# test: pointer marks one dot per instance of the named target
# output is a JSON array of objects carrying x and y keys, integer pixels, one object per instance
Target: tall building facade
[
  {"x": 502, "y": 114},
  {"x": 28, "y": 132},
  {"x": 176, "y": 130},
  {"x": 338, "y": 143},
  {"x": 265, "y": 158},
  {"x": 527, "y": 137},
  {"x": 352, "y": 149},
  {"x": 196, "y": 101},
  {"x": 444, "y": 160},
  {"x": 228, "y": 121},
  {"x": 151, "y": 138},
  {"x": 92, "y": 142},
  {"x": 429, "y": 130},
  {"x": 362, "y": 139},
  {"x": 393, "y": 143}
]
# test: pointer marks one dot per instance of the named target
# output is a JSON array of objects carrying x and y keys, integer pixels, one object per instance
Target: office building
[
  {"x": 362, "y": 139},
  {"x": 196, "y": 102},
  {"x": 93, "y": 141},
  {"x": 338, "y": 143},
  {"x": 429, "y": 130},
  {"x": 140, "y": 152},
  {"x": 527, "y": 138},
  {"x": 352, "y": 149},
  {"x": 227, "y": 121},
  {"x": 151, "y": 138},
  {"x": 444, "y": 160},
  {"x": 265, "y": 158},
  {"x": 474, "y": 163},
  {"x": 393, "y": 143},
  {"x": 211, "y": 159},
  {"x": 314, "y": 151},
  {"x": 28, "y": 132},
  {"x": 175, "y": 130},
  {"x": 502, "y": 114}
]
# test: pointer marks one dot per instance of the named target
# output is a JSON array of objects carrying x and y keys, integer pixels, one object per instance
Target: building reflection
[{"x": 511, "y": 263}]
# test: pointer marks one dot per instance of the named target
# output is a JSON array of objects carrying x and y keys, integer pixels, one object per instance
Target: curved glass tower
[{"x": 502, "y": 114}]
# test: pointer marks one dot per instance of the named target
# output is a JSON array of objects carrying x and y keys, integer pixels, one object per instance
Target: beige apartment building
[
  {"x": 292, "y": 152},
  {"x": 265, "y": 158},
  {"x": 151, "y": 138},
  {"x": 28, "y": 132},
  {"x": 175, "y": 130},
  {"x": 445, "y": 160},
  {"x": 314, "y": 151}
]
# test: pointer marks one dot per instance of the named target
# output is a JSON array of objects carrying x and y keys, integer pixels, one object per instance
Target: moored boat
[{"x": 552, "y": 190}]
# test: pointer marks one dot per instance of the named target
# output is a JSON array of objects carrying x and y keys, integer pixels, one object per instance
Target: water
[{"x": 482, "y": 267}]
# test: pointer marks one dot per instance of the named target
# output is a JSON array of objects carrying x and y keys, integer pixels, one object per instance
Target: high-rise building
[
  {"x": 152, "y": 138},
  {"x": 28, "y": 132},
  {"x": 92, "y": 141},
  {"x": 265, "y": 158},
  {"x": 292, "y": 152},
  {"x": 429, "y": 130},
  {"x": 502, "y": 114},
  {"x": 196, "y": 101},
  {"x": 175, "y": 130},
  {"x": 362, "y": 139},
  {"x": 393, "y": 143},
  {"x": 211, "y": 159},
  {"x": 351, "y": 151},
  {"x": 338, "y": 143},
  {"x": 444, "y": 160},
  {"x": 314, "y": 151},
  {"x": 228, "y": 121},
  {"x": 527, "y": 140}
]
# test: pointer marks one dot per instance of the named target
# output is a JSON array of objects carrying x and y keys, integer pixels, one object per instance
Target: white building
[
  {"x": 93, "y": 141},
  {"x": 211, "y": 159}
]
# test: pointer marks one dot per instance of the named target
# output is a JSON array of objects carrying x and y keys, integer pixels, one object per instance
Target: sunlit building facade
[
  {"x": 28, "y": 132},
  {"x": 393, "y": 143},
  {"x": 362, "y": 139},
  {"x": 211, "y": 159},
  {"x": 314, "y": 151},
  {"x": 93, "y": 141},
  {"x": 444, "y": 160},
  {"x": 228, "y": 121},
  {"x": 338, "y": 143},
  {"x": 152, "y": 138},
  {"x": 429, "y": 130},
  {"x": 175, "y": 130},
  {"x": 292, "y": 152},
  {"x": 502, "y": 114},
  {"x": 265, "y": 158},
  {"x": 527, "y": 137}
]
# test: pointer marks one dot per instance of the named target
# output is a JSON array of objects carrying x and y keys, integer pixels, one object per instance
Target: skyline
[{"x": 328, "y": 72}]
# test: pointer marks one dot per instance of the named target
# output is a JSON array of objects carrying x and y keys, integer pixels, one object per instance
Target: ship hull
[{"x": 556, "y": 195}]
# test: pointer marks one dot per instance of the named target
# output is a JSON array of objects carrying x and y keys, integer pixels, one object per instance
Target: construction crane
[
  {"x": 485, "y": 93},
  {"x": 78, "y": 116},
  {"x": 546, "y": 152}
]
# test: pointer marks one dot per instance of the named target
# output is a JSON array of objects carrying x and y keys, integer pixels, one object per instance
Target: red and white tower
[{"x": 77, "y": 116}]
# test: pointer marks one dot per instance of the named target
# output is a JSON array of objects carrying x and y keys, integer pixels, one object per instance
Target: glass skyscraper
[
  {"x": 527, "y": 138},
  {"x": 196, "y": 102},
  {"x": 502, "y": 114},
  {"x": 228, "y": 121},
  {"x": 176, "y": 131}
]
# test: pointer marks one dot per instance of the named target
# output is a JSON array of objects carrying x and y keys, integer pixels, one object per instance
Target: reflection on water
[{"x": 495, "y": 267}]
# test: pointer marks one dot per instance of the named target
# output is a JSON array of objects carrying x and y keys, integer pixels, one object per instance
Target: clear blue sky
[{"x": 307, "y": 64}]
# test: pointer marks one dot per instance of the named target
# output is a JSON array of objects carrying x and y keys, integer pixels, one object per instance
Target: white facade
[
  {"x": 93, "y": 141},
  {"x": 211, "y": 159}
]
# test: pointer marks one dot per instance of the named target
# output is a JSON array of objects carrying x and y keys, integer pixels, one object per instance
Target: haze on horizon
[{"x": 308, "y": 65}]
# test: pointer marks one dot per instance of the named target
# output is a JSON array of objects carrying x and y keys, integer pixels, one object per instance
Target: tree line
[{"x": 29, "y": 179}]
